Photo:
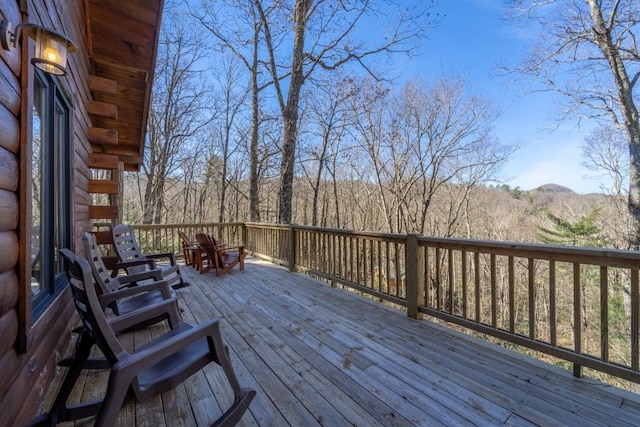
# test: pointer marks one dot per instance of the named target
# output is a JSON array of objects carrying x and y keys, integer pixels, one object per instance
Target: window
[{"x": 51, "y": 190}]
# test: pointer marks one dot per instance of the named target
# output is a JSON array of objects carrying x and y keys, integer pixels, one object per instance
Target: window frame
[{"x": 56, "y": 190}]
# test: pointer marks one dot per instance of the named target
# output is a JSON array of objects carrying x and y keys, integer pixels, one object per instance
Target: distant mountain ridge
[{"x": 554, "y": 188}]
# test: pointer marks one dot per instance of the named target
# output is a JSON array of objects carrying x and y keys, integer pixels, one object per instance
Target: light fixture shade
[
  {"x": 51, "y": 47},
  {"x": 51, "y": 52}
]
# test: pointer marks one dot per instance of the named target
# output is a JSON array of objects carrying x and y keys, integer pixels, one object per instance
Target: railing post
[
  {"x": 292, "y": 248},
  {"x": 245, "y": 235},
  {"x": 415, "y": 276}
]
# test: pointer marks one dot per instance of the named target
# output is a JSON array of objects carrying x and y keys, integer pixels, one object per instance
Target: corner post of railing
[
  {"x": 415, "y": 278},
  {"x": 245, "y": 235},
  {"x": 292, "y": 248}
]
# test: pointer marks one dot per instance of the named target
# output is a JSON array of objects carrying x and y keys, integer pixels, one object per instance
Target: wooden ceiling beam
[
  {"x": 102, "y": 136},
  {"x": 103, "y": 186},
  {"x": 103, "y": 161},
  {"x": 103, "y": 85},
  {"x": 103, "y": 212},
  {"x": 103, "y": 109}
]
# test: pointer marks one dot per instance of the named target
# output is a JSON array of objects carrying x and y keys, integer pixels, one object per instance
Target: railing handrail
[{"x": 595, "y": 256}]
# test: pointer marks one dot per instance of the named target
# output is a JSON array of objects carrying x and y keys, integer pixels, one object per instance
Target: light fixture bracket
[{"x": 7, "y": 37}]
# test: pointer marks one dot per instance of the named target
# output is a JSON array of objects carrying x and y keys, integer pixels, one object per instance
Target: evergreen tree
[{"x": 583, "y": 232}]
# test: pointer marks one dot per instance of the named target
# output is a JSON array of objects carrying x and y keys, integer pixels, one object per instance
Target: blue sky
[{"x": 473, "y": 39}]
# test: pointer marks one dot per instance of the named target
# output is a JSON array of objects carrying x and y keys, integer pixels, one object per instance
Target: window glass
[
  {"x": 51, "y": 190},
  {"x": 37, "y": 138}
]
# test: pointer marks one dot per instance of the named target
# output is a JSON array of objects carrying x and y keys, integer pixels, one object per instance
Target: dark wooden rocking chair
[
  {"x": 222, "y": 257},
  {"x": 127, "y": 248},
  {"x": 155, "y": 368},
  {"x": 188, "y": 246},
  {"x": 130, "y": 292}
]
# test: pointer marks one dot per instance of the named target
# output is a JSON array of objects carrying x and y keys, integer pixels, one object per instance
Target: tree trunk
[
  {"x": 318, "y": 181},
  {"x": 286, "y": 173},
  {"x": 634, "y": 186},
  {"x": 254, "y": 190},
  {"x": 148, "y": 205},
  {"x": 254, "y": 196},
  {"x": 603, "y": 37},
  {"x": 290, "y": 113}
]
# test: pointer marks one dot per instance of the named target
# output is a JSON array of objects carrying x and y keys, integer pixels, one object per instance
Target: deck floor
[{"x": 323, "y": 356}]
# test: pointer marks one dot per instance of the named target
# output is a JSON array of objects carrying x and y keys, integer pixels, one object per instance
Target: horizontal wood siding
[
  {"x": 10, "y": 103},
  {"x": 29, "y": 352},
  {"x": 9, "y": 170},
  {"x": 49, "y": 342}
]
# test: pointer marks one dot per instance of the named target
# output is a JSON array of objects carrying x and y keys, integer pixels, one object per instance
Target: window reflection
[{"x": 39, "y": 108}]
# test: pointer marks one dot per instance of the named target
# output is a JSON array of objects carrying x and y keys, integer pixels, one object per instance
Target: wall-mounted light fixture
[{"x": 51, "y": 47}]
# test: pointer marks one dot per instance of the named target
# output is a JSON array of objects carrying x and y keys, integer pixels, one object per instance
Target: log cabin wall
[
  {"x": 107, "y": 91},
  {"x": 29, "y": 350}
]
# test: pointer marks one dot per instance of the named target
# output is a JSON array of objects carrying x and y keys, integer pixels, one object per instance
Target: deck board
[{"x": 323, "y": 356}]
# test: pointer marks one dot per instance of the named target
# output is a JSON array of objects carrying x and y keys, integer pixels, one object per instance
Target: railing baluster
[
  {"x": 512, "y": 295},
  {"x": 463, "y": 260},
  {"x": 358, "y": 278},
  {"x": 438, "y": 274},
  {"x": 427, "y": 279},
  {"x": 532, "y": 300},
  {"x": 476, "y": 257},
  {"x": 388, "y": 270},
  {"x": 451, "y": 280},
  {"x": 577, "y": 318},
  {"x": 379, "y": 265},
  {"x": 635, "y": 321},
  {"x": 372, "y": 263},
  {"x": 494, "y": 292},
  {"x": 553, "y": 330},
  {"x": 604, "y": 313},
  {"x": 398, "y": 276},
  {"x": 365, "y": 264}
]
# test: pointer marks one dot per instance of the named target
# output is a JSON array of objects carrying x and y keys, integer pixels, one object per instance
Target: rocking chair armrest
[
  {"x": 131, "y": 279},
  {"x": 154, "y": 352},
  {"x": 108, "y": 298},
  {"x": 170, "y": 255},
  {"x": 168, "y": 307},
  {"x": 123, "y": 265}
]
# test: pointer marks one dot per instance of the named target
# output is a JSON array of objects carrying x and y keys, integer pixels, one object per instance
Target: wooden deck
[{"x": 323, "y": 356}]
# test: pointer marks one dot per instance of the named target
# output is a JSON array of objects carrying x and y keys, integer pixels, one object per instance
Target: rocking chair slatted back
[
  {"x": 128, "y": 250},
  {"x": 88, "y": 306},
  {"x": 121, "y": 292}
]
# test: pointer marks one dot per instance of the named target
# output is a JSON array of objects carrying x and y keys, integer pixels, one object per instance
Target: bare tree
[
  {"x": 605, "y": 151},
  {"x": 178, "y": 110},
  {"x": 327, "y": 34},
  {"x": 226, "y": 137},
  {"x": 328, "y": 116},
  {"x": 587, "y": 50},
  {"x": 424, "y": 141},
  {"x": 247, "y": 20}
]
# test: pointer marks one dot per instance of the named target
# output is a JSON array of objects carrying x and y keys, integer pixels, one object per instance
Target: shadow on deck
[{"x": 322, "y": 356}]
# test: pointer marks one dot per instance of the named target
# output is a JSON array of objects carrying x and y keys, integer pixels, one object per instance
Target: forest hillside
[{"x": 548, "y": 214}]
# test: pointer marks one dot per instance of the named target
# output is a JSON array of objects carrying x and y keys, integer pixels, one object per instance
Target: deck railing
[
  {"x": 164, "y": 238},
  {"x": 578, "y": 304}
]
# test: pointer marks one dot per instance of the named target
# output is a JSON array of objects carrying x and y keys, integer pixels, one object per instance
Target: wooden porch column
[{"x": 415, "y": 275}]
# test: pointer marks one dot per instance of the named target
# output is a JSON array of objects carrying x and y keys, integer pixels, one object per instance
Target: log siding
[{"x": 30, "y": 350}]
